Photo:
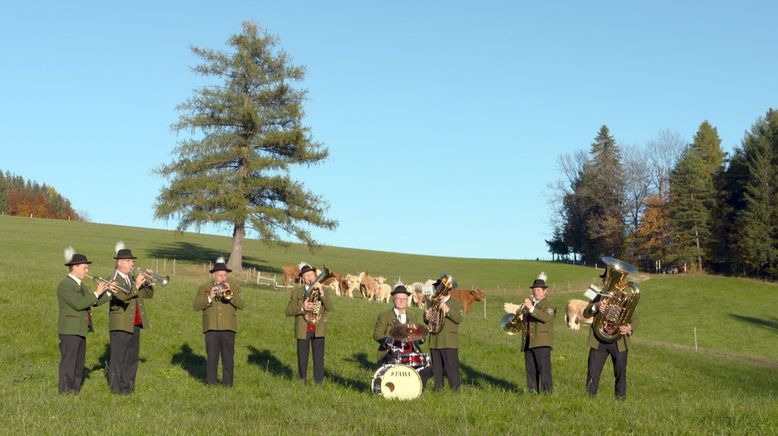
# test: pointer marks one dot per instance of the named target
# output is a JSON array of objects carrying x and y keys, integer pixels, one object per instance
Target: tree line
[
  {"x": 28, "y": 198},
  {"x": 671, "y": 204}
]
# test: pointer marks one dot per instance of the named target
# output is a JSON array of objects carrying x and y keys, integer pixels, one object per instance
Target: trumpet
[
  {"x": 152, "y": 277},
  {"x": 111, "y": 285},
  {"x": 223, "y": 291}
]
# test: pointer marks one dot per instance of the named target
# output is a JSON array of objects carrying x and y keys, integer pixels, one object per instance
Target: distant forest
[{"x": 27, "y": 198}]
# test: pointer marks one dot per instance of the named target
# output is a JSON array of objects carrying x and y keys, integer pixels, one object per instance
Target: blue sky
[{"x": 444, "y": 119}]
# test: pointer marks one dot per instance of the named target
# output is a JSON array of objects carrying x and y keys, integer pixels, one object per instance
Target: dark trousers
[
  {"x": 597, "y": 360},
  {"x": 72, "y": 351},
  {"x": 303, "y": 345},
  {"x": 125, "y": 353},
  {"x": 220, "y": 343},
  {"x": 537, "y": 362},
  {"x": 445, "y": 361}
]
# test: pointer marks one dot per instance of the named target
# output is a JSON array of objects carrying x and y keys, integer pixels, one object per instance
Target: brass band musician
[
  {"x": 219, "y": 302},
  {"x": 309, "y": 305},
  {"x": 444, "y": 345},
  {"x": 537, "y": 330},
  {"x": 392, "y": 350}
]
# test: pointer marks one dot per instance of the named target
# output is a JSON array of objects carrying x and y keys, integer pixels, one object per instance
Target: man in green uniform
[
  {"x": 219, "y": 301},
  {"x": 126, "y": 318},
  {"x": 75, "y": 320},
  {"x": 308, "y": 334},
  {"x": 537, "y": 332},
  {"x": 444, "y": 345}
]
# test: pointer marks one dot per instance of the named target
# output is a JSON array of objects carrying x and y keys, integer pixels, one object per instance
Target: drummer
[{"x": 391, "y": 349}]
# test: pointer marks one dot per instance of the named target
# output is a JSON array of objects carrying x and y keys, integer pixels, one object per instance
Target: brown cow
[
  {"x": 333, "y": 282},
  {"x": 367, "y": 285},
  {"x": 574, "y": 314},
  {"x": 291, "y": 274},
  {"x": 467, "y": 297}
]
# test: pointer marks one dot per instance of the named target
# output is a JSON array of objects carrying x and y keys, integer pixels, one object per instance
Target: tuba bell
[
  {"x": 436, "y": 315},
  {"x": 618, "y": 299},
  {"x": 314, "y": 315}
]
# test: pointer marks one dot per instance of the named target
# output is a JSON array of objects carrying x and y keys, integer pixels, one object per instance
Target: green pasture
[{"x": 726, "y": 385}]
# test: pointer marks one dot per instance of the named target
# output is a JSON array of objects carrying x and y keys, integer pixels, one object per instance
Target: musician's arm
[
  {"x": 590, "y": 310},
  {"x": 326, "y": 301},
  {"x": 237, "y": 299},
  {"x": 456, "y": 312},
  {"x": 379, "y": 331},
  {"x": 294, "y": 307},
  {"x": 201, "y": 299}
]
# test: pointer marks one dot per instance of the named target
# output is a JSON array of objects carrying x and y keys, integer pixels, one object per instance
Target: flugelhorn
[
  {"x": 223, "y": 291},
  {"x": 152, "y": 277},
  {"x": 112, "y": 286}
]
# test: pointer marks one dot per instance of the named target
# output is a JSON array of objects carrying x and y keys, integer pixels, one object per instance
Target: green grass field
[{"x": 727, "y": 386}]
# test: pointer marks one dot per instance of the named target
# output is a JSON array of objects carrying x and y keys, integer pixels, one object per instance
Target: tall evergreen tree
[
  {"x": 236, "y": 171},
  {"x": 758, "y": 220}
]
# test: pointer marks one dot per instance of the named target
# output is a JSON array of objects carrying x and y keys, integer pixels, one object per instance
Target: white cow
[
  {"x": 574, "y": 314},
  {"x": 417, "y": 295},
  {"x": 350, "y": 284}
]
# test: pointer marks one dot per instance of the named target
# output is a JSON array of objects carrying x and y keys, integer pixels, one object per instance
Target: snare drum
[
  {"x": 415, "y": 360},
  {"x": 399, "y": 382}
]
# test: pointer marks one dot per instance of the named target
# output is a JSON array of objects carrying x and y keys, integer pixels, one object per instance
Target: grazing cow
[
  {"x": 291, "y": 274},
  {"x": 418, "y": 298},
  {"x": 367, "y": 285},
  {"x": 467, "y": 297},
  {"x": 574, "y": 314},
  {"x": 333, "y": 282},
  {"x": 382, "y": 292},
  {"x": 349, "y": 284}
]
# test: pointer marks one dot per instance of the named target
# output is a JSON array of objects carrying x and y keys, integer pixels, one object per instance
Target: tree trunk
[{"x": 235, "y": 263}]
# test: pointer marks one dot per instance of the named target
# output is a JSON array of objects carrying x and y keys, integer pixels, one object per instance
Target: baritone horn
[
  {"x": 314, "y": 315},
  {"x": 152, "y": 277}
]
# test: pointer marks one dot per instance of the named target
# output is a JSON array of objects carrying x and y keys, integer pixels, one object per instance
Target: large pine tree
[
  {"x": 235, "y": 171},
  {"x": 757, "y": 246}
]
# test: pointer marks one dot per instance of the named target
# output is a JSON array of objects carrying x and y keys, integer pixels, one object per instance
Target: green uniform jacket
[
  {"x": 385, "y": 323},
  {"x": 294, "y": 308},
  {"x": 449, "y": 335},
  {"x": 121, "y": 315},
  {"x": 74, "y": 306},
  {"x": 219, "y": 314},
  {"x": 622, "y": 343},
  {"x": 540, "y": 324}
]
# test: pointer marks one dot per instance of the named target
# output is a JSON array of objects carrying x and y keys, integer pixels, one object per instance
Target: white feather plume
[
  {"x": 119, "y": 246},
  {"x": 69, "y": 252},
  {"x": 542, "y": 276},
  {"x": 220, "y": 259},
  {"x": 301, "y": 265}
]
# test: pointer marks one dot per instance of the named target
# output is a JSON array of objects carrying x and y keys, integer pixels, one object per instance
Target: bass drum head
[{"x": 397, "y": 382}]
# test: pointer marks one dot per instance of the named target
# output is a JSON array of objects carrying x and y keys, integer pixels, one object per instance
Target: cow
[
  {"x": 332, "y": 282},
  {"x": 367, "y": 285},
  {"x": 291, "y": 274},
  {"x": 418, "y": 298},
  {"x": 468, "y": 297},
  {"x": 382, "y": 292},
  {"x": 349, "y": 284},
  {"x": 574, "y": 314}
]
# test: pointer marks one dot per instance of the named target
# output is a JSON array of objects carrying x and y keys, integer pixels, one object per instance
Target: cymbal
[{"x": 410, "y": 332}]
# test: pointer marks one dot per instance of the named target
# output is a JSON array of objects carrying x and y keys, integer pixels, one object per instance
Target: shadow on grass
[
  {"x": 192, "y": 363},
  {"x": 363, "y": 362},
  {"x": 197, "y": 253},
  {"x": 476, "y": 378},
  {"x": 770, "y": 324},
  {"x": 265, "y": 359},
  {"x": 102, "y": 363},
  {"x": 354, "y": 385}
]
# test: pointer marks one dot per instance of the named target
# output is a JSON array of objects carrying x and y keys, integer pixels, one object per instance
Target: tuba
[
  {"x": 436, "y": 315},
  {"x": 618, "y": 299},
  {"x": 314, "y": 315}
]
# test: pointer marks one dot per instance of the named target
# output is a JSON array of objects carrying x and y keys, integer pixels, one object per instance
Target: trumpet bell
[{"x": 507, "y": 325}]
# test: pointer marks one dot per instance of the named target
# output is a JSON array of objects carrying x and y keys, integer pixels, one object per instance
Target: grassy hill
[{"x": 728, "y": 385}]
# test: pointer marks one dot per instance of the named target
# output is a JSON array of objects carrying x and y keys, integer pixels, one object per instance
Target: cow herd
[{"x": 375, "y": 288}]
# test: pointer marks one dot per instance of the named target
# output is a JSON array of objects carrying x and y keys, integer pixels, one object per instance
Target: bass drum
[{"x": 397, "y": 382}]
